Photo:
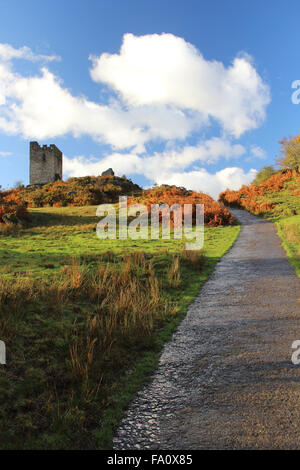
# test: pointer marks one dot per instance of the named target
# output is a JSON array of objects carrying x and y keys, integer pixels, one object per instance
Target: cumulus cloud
[
  {"x": 171, "y": 167},
  {"x": 162, "y": 90},
  {"x": 121, "y": 162},
  {"x": 166, "y": 70},
  {"x": 209, "y": 151},
  {"x": 158, "y": 164},
  {"x": 41, "y": 107},
  {"x": 167, "y": 89},
  {"x": 198, "y": 180},
  {"x": 210, "y": 183}
]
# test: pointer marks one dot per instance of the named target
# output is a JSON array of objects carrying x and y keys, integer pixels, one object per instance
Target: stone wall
[{"x": 45, "y": 163}]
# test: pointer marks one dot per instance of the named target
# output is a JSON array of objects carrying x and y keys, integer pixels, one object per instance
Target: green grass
[
  {"x": 289, "y": 232},
  {"x": 48, "y": 401},
  {"x": 285, "y": 201}
]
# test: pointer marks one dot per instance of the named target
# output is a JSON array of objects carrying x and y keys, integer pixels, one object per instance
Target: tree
[
  {"x": 264, "y": 174},
  {"x": 290, "y": 153}
]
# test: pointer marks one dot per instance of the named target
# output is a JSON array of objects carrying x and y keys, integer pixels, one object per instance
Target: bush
[
  {"x": 12, "y": 207},
  {"x": 88, "y": 190},
  {"x": 214, "y": 213},
  {"x": 264, "y": 174},
  {"x": 277, "y": 193}
]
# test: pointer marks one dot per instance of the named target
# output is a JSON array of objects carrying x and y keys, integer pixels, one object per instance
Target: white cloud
[
  {"x": 166, "y": 70},
  {"x": 209, "y": 151},
  {"x": 169, "y": 89},
  {"x": 121, "y": 163},
  {"x": 258, "y": 152},
  {"x": 198, "y": 180},
  {"x": 166, "y": 92},
  {"x": 153, "y": 166},
  {"x": 171, "y": 167},
  {"x": 210, "y": 183},
  {"x": 40, "y": 107},
  {"x": 5, "y": 154},
  {"x": 7, "y": 53}
]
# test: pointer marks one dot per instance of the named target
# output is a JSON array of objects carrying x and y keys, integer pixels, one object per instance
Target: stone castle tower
[{"x": 45, "y": 163}]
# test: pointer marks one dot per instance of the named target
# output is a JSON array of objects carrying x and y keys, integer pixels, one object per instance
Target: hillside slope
[
  {"x": 81, "y": 191},
  {"x": 278, "y": 196}
]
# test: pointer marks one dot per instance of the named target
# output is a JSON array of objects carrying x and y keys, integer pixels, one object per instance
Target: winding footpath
[{"x": 226, "y": 379}]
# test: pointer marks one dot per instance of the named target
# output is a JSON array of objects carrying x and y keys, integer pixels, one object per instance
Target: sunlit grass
[
  {"x": 84, "y": 321},
  {"x": 289, "y": 231}
]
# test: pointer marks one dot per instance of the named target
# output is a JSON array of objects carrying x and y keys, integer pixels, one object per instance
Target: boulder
[{"x": 109, "y": 172}]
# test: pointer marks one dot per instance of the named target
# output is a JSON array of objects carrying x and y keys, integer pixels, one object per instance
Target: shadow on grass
[{"x": 46, "y": 219}]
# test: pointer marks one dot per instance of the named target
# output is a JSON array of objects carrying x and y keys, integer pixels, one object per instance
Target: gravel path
[{"x": 226, "y": 380}]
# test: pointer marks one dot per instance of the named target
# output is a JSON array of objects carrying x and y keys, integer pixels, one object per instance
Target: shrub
[
  {"x": 214, "y": 213},
  {"x": 273, "y": 194},
  {"x": 264, "y": 174},
  {"x": 13, "y": 208},
  {"x": 88, "y": 190}
]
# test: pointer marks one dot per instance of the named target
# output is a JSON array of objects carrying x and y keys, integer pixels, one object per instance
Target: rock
[{"x": 109, "y": 172}]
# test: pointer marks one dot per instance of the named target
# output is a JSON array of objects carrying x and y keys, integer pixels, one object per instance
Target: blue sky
[{"x": 194, "y": 93}]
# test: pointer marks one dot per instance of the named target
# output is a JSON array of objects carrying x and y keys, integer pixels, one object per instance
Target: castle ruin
[{"x": 45, "y": 163}]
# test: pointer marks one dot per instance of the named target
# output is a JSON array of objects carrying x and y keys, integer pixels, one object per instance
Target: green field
[{"x": 84, "y": 321}]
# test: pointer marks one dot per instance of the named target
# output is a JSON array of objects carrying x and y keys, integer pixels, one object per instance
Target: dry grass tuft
[
  {"x": 194, "y": 257},
  {"x": 174, "y": 273}
]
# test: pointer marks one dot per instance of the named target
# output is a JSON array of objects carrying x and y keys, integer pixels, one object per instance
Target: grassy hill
[
  {"x": 84, "y": 320},
  {"x": 82, "y": 191}
]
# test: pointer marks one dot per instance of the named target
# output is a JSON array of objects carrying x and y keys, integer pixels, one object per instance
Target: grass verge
[{"x": 289, "y": 232}]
